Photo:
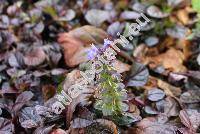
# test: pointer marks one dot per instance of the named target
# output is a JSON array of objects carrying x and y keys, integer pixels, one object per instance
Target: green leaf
[
  {"x": 59, "y": 88},
  {"x": 196, "y": 5}
]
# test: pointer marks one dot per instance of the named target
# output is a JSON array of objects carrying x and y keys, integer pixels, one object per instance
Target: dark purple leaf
[
  {"x": 6, "y": 126},
  {"x": 35, "y": 57},
  {"x": 179, "y": 32},
  {"x": 155, "y": 12},
  {"x": 160, "y": 106},
  {"x": 43, "y": 111},
  {"x": 2, "y": 67},
  {"x": 22, "y": 99},
  {"x": 191, "y": 96},
  {"x": 4, "y": 23},
  {"x": 114, "y": 28},
  {"x": 139, "y": 75},
  {"x": 151, "y": 41},
  {"x": 55, "y": 57},
  {"x": 97, "y": 17},
  {"x": 58, "y": 71},
  {"x": 190, "y": 118},
  {"x": 39, "y": 28},
  {"x": 173, "y": 77},
  {"x": 80, "y": 123},
  {"x": 150, "y": 110},
  {"x": 13, "y": 61},
  {"x": 69, "y": 15},
  {"x": 174, "y": 3},
  {"x": 29, "y": 118},
  {"x": 152, "y": 125},
  {"x": 155, "y": 94},
  {"x": 44, "y": 130},
  {"x": 7, "y": 89},
  {"x": 171, "y": 107},
  {"x": 129, "y": 15},
  {"x": 139, "y": 7}
]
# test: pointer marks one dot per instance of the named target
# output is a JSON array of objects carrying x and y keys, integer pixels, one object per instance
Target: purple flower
[
  {"x": 92, "y": 52},
  {"x": 107, "y": 43}
]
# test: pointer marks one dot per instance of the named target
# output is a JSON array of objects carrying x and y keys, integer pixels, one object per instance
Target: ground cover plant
[{"x": 149, "y": 84}]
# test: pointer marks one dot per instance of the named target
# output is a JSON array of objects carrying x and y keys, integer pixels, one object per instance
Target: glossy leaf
[{"x": 139, "y": 75}]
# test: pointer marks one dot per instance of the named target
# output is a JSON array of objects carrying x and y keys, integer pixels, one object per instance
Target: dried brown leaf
[
  {"x": 171, "y": 59},
  {"x": 77, "y": 42}
]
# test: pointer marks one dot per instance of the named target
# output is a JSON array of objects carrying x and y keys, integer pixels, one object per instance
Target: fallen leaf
[
  {"x": 169, "y": 89},
  {"x": 172, "y": 59},
  {"x": 140, "y": 51},
  {"x": 183, "y": 16},
  {"x": 121, "y": 67},
  {"x": 108, "y": 123},
  {"x": 77, "y": 42},
  {"x": 48, "y": 91},
  {"x": 83, "y": 97},
  {"x": 43, "y": 111}
]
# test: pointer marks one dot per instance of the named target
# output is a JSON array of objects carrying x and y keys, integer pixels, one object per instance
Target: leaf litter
[{"x": 44, "y": 46}]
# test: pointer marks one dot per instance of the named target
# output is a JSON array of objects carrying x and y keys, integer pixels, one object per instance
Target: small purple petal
[
  {"x": 92, "y": 53},
  {"x": 107, "y": 42}
]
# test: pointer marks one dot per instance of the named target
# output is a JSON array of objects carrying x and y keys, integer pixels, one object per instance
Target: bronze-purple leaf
[
  {"x": 35, "y": 57},
  {"x": 22, "y": 99},
  {"x": 6, "y": 126},
  {"x": 155, "y": 94},
  {"x": 139, "y": 75}
]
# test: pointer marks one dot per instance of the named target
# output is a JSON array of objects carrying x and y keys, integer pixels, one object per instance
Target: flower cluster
[
  {"x": 112, "y": 92},
  {"x": 100, "y": 57}
]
